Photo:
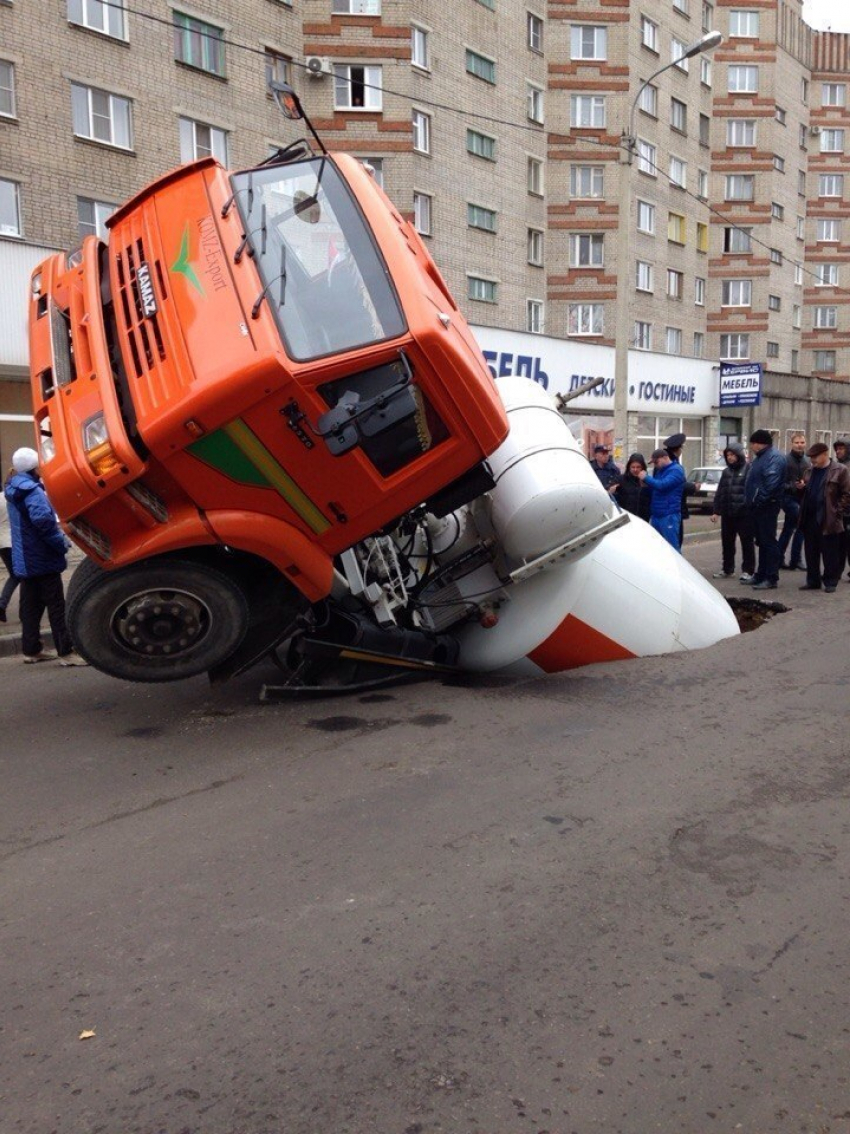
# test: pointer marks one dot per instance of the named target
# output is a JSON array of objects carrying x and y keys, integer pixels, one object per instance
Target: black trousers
[
  {"x": 11, "y": 583},
  {"x": 828, "y": 546},
  {"x": 40, "y": 593},
  {"x": 764, "y": 519},
  {"x": 732, "y": 528}
]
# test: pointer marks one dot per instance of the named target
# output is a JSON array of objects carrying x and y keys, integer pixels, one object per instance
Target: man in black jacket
[
  {"x": 735, "y": 521},
  {"x": 604, "y": 467},
  {"x": 796, "y": 464}
]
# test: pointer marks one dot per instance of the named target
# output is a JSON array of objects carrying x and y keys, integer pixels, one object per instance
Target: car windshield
[
  {"x": 707, "y": 476},
  {"x": 322, "y": 274}
]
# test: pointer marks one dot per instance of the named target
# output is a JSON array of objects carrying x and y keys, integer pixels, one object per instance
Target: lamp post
[{"x": 624, "y": 276}]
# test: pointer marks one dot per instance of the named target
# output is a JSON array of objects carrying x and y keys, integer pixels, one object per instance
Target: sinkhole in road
[{"x": 753, "y": 613}]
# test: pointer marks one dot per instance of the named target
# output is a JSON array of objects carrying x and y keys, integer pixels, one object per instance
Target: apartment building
[{"x": 496, "y": 125}]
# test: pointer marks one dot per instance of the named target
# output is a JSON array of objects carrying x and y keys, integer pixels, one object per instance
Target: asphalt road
[{"x": 614, "y": 900}]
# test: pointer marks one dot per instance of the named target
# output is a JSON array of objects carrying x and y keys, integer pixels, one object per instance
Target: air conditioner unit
[
  {"x": 317, "y": 66},
  {"x": 814, "y": 131}
]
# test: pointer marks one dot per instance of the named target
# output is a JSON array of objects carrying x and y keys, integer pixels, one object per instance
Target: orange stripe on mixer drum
[{"x": 574, "y": 643}]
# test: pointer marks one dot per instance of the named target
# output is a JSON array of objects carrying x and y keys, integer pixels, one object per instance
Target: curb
[{"x": 10, "y": 644}]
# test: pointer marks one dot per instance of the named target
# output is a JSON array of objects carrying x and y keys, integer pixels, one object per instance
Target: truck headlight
[
  {"x": 46, "y": 445},
  {"x": 74, "y": 258},
  {"x": 36, "y": 285},
  {"x": 96, "y": 445}
]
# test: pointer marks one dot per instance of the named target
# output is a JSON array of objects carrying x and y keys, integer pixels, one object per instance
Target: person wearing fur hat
[
  {"x": 763, "y": 494},
  {"x": 38, "y": 560},
  {"x": 825, "y": 504},
  {"x": 632, "y": 495}
]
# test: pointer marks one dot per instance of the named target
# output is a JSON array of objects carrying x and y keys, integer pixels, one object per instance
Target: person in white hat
[
  {"x": 11, "y": 584},
  {"x": 38, "y": 559}
]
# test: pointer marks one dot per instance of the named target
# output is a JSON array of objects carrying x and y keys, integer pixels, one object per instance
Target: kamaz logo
[{"x": 143, "y": 279}]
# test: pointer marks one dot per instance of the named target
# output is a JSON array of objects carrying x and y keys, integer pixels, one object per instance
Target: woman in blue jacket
[
  {"x": 667, "y": 484},
  {"x": 38, "y": 560}
]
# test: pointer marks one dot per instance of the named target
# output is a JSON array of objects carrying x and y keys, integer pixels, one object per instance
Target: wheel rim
[{"x": 162, "y": 623}]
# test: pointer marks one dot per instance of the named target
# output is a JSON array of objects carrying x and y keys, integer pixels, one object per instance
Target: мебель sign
[{"x": 740, "y": 384}]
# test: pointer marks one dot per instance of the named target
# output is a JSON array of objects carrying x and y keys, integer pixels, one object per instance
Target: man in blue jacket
[
  {"x": 763, "y": 493},
  {"x": 38, "y": 560},
  {"x": 665, "y": 508}
]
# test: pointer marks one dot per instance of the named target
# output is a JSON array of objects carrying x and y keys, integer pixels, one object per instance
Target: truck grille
[
  {"x": 143, "y": 332},
  {"x": 149, "y": 501},
  {"x": 92, "y": 537}
]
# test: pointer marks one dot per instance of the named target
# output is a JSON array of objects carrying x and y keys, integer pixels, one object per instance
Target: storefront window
[{"x": 653, "y": 431}]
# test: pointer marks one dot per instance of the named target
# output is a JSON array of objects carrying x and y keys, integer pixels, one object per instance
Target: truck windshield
[{"x": 322, "y": 274}]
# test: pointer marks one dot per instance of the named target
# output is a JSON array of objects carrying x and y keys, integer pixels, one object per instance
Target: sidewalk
[{"x": 10, "y": 631}]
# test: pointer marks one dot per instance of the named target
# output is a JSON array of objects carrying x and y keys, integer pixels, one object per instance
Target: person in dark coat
[
  {"x": 631, "y": 493},
  {"x": 38, "y": 559},
  {"x": 11, "y": 584},
  {"x": 735, "y": 521},
  {"x": 825, "y": 504},
  {"x": 796, "y": 463},
  {"x": 842, "y": 456},
  {"x": 604, "y": 467},
  {"x": 763, "y": 494}
]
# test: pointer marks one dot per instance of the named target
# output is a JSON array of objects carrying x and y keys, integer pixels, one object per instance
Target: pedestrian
[
  {"x": 674, "y": 445},
  {"x": 666, "y": 503},
  {"x": 630, "y": 492},
  {"x": 763, "y": 493},
  {"x": 842, "y": 455},
  {"x": 735, "y": 520},
  {"x": 38, "y": 559},
  {"x": 796, "y": 463},
  {"x": 11, "y": 583},
  {"x": 604, "y": 467},
  {"x": 825, "y": 504}
]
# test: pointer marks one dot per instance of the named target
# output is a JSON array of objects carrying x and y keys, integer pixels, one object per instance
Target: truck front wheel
[{"x": 158, "y": 620}]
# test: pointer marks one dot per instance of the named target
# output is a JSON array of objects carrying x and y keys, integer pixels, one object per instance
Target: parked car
[{"x": 706, "y": 481}]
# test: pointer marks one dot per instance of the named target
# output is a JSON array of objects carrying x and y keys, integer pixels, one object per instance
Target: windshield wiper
[
  {"x": 237, "y": 255},
  {"x": 228, "y": 204},
  {"x": 255, "y": 310}
]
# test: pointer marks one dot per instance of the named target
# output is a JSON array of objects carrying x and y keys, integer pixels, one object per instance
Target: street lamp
[{"x": 624, "y": 276}]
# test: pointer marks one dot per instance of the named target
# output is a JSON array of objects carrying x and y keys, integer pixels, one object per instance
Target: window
[
  {"x": 775, "y": 256},
  {"x": 357, "y": 87},
  {"x": 826, "y": 275},
  {"x": 477, "y": 216},
  {"x": 585, "y": 318},
  {"x": 795, "y": 360},
  {"x": 741, "y": 132},
  {"x": 699, "y": 291},
  {"x": 834, "y": 94},
  {"x": 485, "y": 291},
  {"x": 743, "y": 79},
  {"x": 587, "y": 181},
  {"x": 737, "y": 239},
  {"x": 587, "y": 250},
  {"x": 673, "y": 342},
  {"x": 649, "y": 33},
  {"x": 643, "y": 336},
  {"x": 831, "y": 185},
  {"x": 92, "y": 217},
  {"x": 744, "y": 24},
  {"x": 419, "y": 56},
  {"x": 739, "y": 186},
  {"x": 648, "y": 100},
  {"x": 825, "y": 361},
  {"x": 681, "y": 6},
  {"x": 646, "y": 154},
  {"x": 107, "y": 18},
  {"x": 676, "y": 228},
  {"x": 675, "y": 283},
  {"x": 421, "y": 131},
  {"x": 198, "y": 139},
  {"x": 535, "y": 247},
  {"x": 480, "y": 66},
  {"x": 736, "y": 293},
  {"x": 7, "y": 89},
  {"x": 801, "y": 182},
  {"x": 534, "y": 175},
  {"x": 678, "y": 115},
  {"x": 796, "y": 316},
  {"x": 646, "y": 217},
  {"x": 588, "y": 41},
  {"x": 801, "y": 228},
  {"x": 702, "y": 237},
  {"x": 678, "y": 172},
  {"x": 804, "y": 91},
  {"x": 707, "y": 17},
  {"x": 643, "y": 276},
  {"x": 832, "y": 141},
  {"x": 779, "y": 115},
  {"x": 535, "y": 103},
  {"x": 587, "y": 110},
  {"x": 699, "y": 344},
  {"x": 828, "y": 231},
  {"x": 534, "y": 25},
  {"x": 101, "y": 116},
  {"x": 777, "y": 211},
  {"x": 774, "y": 303},
  {"x": 677, "y": 50},
  {"x": 705, "y": 71},
  {"x": 10, "y": 208},
  {"x": 778, "y": 163},
  {"x": 772, "y": 350},
  {"x": 804, "y": 137},
  {"x": 481, "y": 145},
  {"x": 198, "y": 44},
  {"x": 356, "y": 7},
  {"x": 735, "y": 346},
  {"x": 534, "y": 316},
  {"x": 491, "y": 4},
  {"x": 825, "y": 318},
  {"x": 702, "y": 184},
  {"x": 376, "y": 164},
  {"x": 422, "y": 213},
  {"x": 798, "y": 275},
  {"x": 277, "y": 68},
  {"x": 704, "y": 129}
]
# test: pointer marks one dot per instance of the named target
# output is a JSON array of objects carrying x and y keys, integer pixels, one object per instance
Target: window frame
[
  {"x": 486, "y": 71},
  {"x": 490, "y": 290},
  {"x": 212, "y": 59},
  {"x": 535, "y": 248},
  {"x": 470, "y": 134},
  {"x": 218, "y": 140},
  {"x": 12, "y": 112},
  {"x": 420, "y": 35},
  {"x": 17, "y": 231},
  {"x": 539, "y": 307},
  {"x": 423, "y": 207},
  {"x": 474, "y": 221},
  {"x": 114, "y": 99},
  {"x": 586, "y": 312},
  {"x": 79, "y": 16},
  {"x": 534, "y": 28},
  {"x": 599, "y": 41},
  {"x": 344, "y": 81},
  {"x": 420, "y": 123},
  {"x": 743, "y": 70}
]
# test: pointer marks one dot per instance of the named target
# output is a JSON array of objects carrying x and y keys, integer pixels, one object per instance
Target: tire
[{"x": 160, "y": 619}]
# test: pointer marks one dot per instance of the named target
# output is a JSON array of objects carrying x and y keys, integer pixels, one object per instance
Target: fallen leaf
[{"x": 89, "y": 1033}]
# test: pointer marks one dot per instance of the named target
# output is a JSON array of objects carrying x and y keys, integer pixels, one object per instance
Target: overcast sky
[{"x": 822, "y": 14}]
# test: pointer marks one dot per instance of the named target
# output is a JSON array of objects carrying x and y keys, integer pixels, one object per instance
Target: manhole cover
[{"x": 753, "y": 613}]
